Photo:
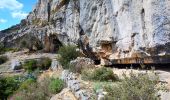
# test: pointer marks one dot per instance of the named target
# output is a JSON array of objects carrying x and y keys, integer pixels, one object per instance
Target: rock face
[{"x": 117, "y": 31}]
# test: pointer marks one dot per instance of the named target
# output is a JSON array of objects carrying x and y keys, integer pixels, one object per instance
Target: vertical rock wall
[{"x": 105, "y": 29}]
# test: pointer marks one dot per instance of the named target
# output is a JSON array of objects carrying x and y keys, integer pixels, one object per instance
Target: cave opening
[
  {"x": 52, "y": 43},
  {"x": 97, "y": 62}
]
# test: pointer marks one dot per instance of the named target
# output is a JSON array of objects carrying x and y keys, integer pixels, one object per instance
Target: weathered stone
[
  {"x": 82, "y": 63},
  {"x": 16, "y": 65},
  {"x": 124, "y": 31},
  {"x": 65, "y": 94},
  {"x": 74, "y": 85},
  {"x": 82, "y": 95},
  {"x": 55, "y": 65}
]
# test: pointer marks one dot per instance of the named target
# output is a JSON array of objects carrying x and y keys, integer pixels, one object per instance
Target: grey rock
[
  {"x": 55, "y": 65},
  {"x": 82, "y": 95},
  {"x": 165, "y": 95},
  {"x": 16, "y": 65},
  {"x": 74, "y": 85},
  {"x": 111, "y": 29},
  {"x": 81, "y": 63},
  {"x": 101, "y": 97}
]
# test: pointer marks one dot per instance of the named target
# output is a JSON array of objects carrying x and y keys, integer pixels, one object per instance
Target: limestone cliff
[{"x": 115, "y": 31}]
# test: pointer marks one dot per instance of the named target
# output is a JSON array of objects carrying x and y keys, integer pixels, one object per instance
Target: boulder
[
  {"x": 16, "y": 65},
  {"x": 81, "y": 63}
]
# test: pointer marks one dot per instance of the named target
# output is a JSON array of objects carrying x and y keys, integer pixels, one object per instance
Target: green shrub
[
  {"x": 25, "y": 85},
  {"x": 30, "y": 65},
  {"x": 44, "y": 63},
  {"x": 100, "y": 74},
  {"x": 3, "y": 59},
  {"x": 7, "y": 86},
  {"x": 135, "y": 87},
  {"x": 32, "y": 90},
  {"x": 56, "y": 85},
  {"x": 67, "y": 53}
]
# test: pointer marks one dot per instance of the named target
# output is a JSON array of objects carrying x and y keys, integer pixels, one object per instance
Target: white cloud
[
  {"x": 15, "y": 8},
  {"x": 19, "y": 14},
  {"x": 3, "y": 21},
  {"x": 10, "y": 4}
]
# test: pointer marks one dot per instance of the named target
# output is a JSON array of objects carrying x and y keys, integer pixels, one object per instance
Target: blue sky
[{"x": 12, "y": 11}]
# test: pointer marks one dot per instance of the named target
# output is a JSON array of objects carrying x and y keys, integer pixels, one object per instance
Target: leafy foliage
[
  {"x": 30, "y": 65},
  {"x": 26, "y": 84},
  {"x": 43, "y": 64},
  {"x": 100, "y": 74},
  {"x": 30, "y": 92},
  {"x": 135, "y": 87},
  {"x": 43, "y": 90},
  {"x": 56, "y": 85},
  {"x": 7, "y": 86},
  {"x": 67, "y": 53}
]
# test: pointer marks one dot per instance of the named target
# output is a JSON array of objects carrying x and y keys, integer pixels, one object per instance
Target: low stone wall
[{"x": 71, "y": 81}]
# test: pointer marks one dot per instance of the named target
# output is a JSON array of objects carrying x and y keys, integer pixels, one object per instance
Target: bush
[
  {"x": 43, "y": 64},
  {"x": 3, "y": 59},
  {"x": 56, "y": 85},
  {"x": 67, "y": 53},
  {"x": 42, "y": 90},
  {"x": 30, "y": 65},
  {"x": 25, "y": 85},
  {"x": 32, "y": 90},
  {"x": 7, "y": 86},
  {"x": 135, "y": 87},
  {"x": 100, "y": 74}
]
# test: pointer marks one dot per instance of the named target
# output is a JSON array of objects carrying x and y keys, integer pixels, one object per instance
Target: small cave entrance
[
  {"x": 52, "y": 43},
  {"x": 97, "y": 62}
]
